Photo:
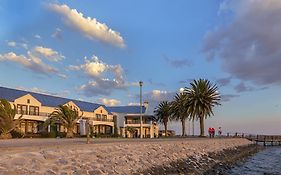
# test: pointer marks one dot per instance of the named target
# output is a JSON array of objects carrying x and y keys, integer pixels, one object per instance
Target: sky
[{"x": 98, "y": 51}]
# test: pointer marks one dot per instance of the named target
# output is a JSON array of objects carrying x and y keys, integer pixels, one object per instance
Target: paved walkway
[{"x": 50, "y": 142}]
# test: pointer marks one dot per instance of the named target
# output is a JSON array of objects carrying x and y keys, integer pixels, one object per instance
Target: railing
[
  {"x": 137, "y": 122},
  {"x": 103, "y": 119},
  {"x": 45, "y": 114}
]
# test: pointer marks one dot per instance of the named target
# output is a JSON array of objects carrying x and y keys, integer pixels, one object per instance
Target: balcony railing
[
  {"x": 45, "y": 114},
  {"x": 137, "y": 122},
  {"x": 103, "y": 119}
]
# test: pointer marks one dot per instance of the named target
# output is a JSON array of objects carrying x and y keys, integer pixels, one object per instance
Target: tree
[
  {"x": 131, "y": 130},
  {"x": 202, "y": 97},
  {"x": 66, "y": 116},
  {"x": 7, "y": 119},
  {"x": 162, "y": 113},
  {"x": 179, "y": 109}
]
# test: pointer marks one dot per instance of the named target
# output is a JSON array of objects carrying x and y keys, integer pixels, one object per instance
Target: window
[
  {"x": 33, "y": 110},
  {"x": 98, "y": 116},
  {"x": 104, "y": 116},
  {"x": 28, "y": 101},
  {"x": 35, "y": 127},
  {"x": 29, "y": 127},
  {"x": 22, "y": 127},
  {"x": 22, "y": 109}
]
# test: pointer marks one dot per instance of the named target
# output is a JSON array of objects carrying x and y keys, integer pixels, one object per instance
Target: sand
[{"x": 110, "y": 157}]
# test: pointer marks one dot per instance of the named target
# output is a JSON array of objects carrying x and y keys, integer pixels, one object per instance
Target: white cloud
[
  {"x": 24, "y": 45},
  {"x": 48, "y": 53},
  {"x": 30, "y": 62},
  {"x": 90, "y": 27},
  {"x": 93, "y": 67},
  {"x": 37, "y": 36},
  {"x": 109, "y": 102},
  {"x": 96, "y": 68},
  {"x": 12, "y": 44},
  {"x": 57, "y": 34}
]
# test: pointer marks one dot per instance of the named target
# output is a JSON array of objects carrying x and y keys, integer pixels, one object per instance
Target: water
[{"x": 267, "y": 161}]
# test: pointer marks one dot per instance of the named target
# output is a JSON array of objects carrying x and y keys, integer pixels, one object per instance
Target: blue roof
[
  {"x": 127, "y": 109},
  {"x": 47, "y": 100}
]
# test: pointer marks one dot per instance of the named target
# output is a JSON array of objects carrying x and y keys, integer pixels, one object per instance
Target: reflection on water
[{"x": 267, "y": 161}]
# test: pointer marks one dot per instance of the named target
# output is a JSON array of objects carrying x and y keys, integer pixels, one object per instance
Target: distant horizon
[{"x": 98, "y": 52}]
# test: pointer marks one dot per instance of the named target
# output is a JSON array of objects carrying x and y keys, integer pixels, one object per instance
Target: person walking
[{"x": 220, "y": 132}]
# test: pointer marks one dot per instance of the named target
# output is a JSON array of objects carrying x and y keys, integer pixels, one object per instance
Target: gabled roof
[
  {"x": 48, "y": 100},
  {"x": 127, "y": 109}
]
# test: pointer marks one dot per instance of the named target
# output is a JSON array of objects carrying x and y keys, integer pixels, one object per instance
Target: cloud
[
  {"x": 224, "y": 81},
  {"x": 101, "y": 86},
  {"x": 12, "y": 44},
  {"x": 228, "y": 97},
  {"x": 249, "y": 45},
  {"x": 177, "y": 63},
  {"x": 30, "y": 62},
  {"x": 133, "y": 104},
  {"x": 241, "y": 87},
  {"x": 48, "y": 53},
  {"x": 109, "y": 102},
  {"x": 154, "y": 97},
  {"x": 37, "y": 36},
  {"x": 41, "y": 91},
  {"x": 90, "y": 27},
  {"x": 98, "y": 71},
  {"x": 96, "y": 68},
  {"x": 57, "y": 34},
  {"x": 24, "y": 45},
  {"x": 15, "y": 44}
]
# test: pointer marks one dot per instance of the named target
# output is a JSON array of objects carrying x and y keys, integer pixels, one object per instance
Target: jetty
[{"x": 266, "y": 140}]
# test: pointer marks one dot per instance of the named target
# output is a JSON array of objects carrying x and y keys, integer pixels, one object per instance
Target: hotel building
[{"x": 35, "y": 109}]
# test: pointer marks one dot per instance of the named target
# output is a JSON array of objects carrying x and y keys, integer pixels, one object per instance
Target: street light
[{"x": 141, "y": 83}]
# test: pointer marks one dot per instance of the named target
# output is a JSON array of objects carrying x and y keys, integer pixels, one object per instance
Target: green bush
[{"x": 17, "y": 133}]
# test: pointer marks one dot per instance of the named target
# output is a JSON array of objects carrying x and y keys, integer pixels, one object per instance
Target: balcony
[
  {"x": 137, "y": 122},
  {"x": 44, "y": 114},
  {"x": 102, "y": 119}
]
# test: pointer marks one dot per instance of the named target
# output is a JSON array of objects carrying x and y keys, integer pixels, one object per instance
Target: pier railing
[{"x": 266, "y": 140}]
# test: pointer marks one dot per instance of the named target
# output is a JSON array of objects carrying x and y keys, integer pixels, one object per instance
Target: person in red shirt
[{"x": 213, "y": 132}]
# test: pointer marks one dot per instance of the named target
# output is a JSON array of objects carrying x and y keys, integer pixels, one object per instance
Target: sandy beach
[{"x": 108, "y": 156}]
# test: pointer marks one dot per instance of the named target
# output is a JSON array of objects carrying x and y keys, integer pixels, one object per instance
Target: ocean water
[{"x": 265, "y": 162}]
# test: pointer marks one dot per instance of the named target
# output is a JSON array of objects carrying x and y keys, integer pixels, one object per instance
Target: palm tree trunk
[
  {"x": 69, "y": 133},
  {"x": 165, "y": 126},
  {"x": 183, "y": 126},
  {"x": 202, "y": 132}
]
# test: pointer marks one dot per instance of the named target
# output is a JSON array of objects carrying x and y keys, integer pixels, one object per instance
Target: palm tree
[
  {"x": 162, "y": 113},
  {"x": 202, "y": 97},
  {"x": 7, "y": 119},
  {"x": 179, "y": 109},
  {"x": 66, "y": 116},
  {"x": 131, "y": 130}
]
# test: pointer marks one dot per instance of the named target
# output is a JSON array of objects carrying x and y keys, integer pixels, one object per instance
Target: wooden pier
[{"x": 267, "y": 140}]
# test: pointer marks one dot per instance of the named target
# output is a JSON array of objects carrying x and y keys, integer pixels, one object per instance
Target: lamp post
[{"x": 141, "y": 83}]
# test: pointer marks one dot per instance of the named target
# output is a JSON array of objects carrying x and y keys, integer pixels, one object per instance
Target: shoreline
[
  {"x": 209, "y": 164},
  {"x": 111, "y": 157}
]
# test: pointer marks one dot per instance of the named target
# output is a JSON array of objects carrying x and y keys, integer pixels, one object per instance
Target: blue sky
[{"x": 98, "y": 51}]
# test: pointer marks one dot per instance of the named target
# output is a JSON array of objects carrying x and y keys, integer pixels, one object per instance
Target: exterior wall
[
  {"x": 150, "y": 128},
  {"x": 32, "y": 121}
]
